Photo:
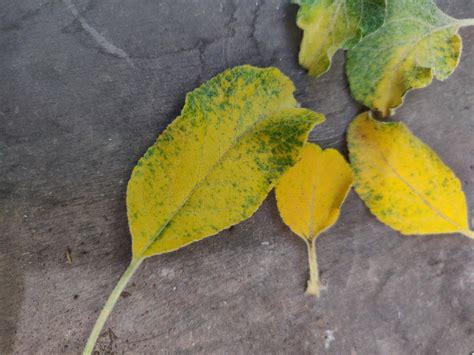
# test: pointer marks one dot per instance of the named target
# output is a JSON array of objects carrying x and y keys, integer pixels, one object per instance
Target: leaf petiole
[
  {"x": 466, "y": 22},
  {"x": 109, "y": 305},
  {"x": 314, "y": 286}
]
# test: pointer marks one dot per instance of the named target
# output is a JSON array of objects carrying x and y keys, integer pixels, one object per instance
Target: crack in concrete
[
  {"x": 103, "y": 43},
  {"x": 232, "y": 19},
  {"x": 202, "y": 43},
  {"x": 253, "y": 28}
]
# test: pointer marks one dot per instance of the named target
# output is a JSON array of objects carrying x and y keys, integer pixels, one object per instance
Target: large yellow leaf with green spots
[
  {"x": 403, "y": 182},
  {"x": 309, "y": 198},
  {"x": 330, "y": 25},
  {"x": 416, "y": 43},
  {"x": 213, "y": 165}
]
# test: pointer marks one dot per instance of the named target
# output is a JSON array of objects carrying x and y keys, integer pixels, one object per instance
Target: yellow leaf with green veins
[
  {"x": 309, "y": 198},
  {"x": 416, "y": 43},
  {"x": 213, "y": 165},
  {"x": 403, "y": 182},
  {"x": 330, "y": 25}
]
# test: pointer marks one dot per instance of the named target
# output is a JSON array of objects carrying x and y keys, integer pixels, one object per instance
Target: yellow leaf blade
[
  {"x": 217, "y": 161},
  {"x": 237, "y": 186},
  {"x": 402, "y": 181},
  {"x": 310, "y": 194}
]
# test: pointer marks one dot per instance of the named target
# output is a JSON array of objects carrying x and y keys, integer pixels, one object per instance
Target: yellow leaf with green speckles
[
  {"x": 403, "y": 182},
  {"x": 416, "y": 43},
  {"x": 213, "y": 165},
  {"x": 330, "y": 25},
  {"x": 309, "y": 198}
]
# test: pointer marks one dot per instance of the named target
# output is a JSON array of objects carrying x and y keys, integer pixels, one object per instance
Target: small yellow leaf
[
  {"x": 403, "y": 182},
  {"x": 309, "y": 198}
]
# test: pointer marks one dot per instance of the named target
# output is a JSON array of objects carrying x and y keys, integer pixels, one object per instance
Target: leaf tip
[{"x": 468, "y": 233}]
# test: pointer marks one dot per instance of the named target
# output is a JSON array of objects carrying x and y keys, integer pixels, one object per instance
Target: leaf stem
[
  {"x": 468, "y": 233},
  {"x": 109, "y": 305},
  {"x": 313, "y": 287},
  {"x": 466, "y": 22}
]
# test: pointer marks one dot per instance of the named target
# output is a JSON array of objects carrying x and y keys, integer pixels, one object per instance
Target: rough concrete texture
[{"x": 86, "y": 87}]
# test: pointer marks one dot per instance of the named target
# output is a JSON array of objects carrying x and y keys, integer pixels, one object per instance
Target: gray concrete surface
[{"x": 85, "y": 88}]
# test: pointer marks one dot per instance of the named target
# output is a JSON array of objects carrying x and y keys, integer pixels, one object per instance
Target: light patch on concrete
[{"x": 329, "y": 338}]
